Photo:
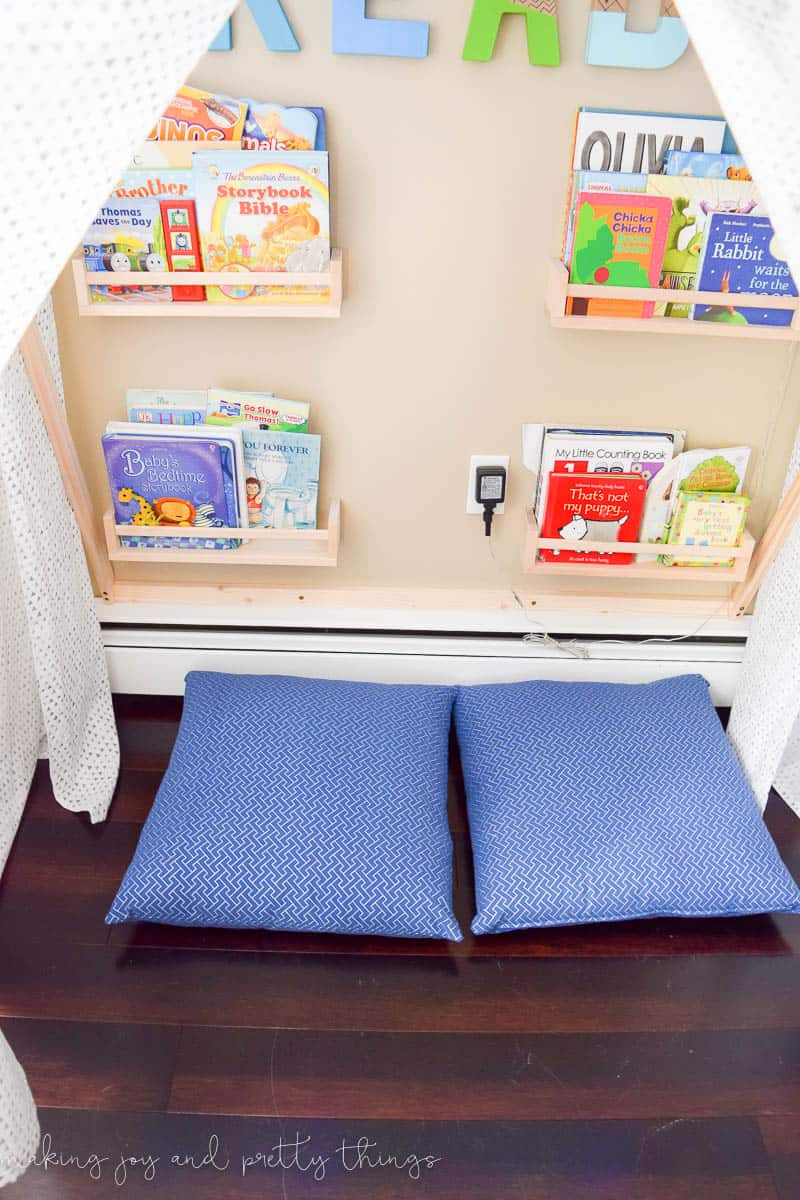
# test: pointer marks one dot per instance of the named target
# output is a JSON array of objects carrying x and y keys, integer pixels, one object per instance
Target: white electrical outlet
[{"x": 483, "y": 460}]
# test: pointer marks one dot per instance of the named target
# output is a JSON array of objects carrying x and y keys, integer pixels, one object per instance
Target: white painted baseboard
[{"x": 154, "y": 661}]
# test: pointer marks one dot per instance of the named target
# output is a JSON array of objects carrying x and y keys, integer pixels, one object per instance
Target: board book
[
  {"x": 742, "y": 254},
  {"x": 181, "y": 477},
  {"x": 616, "y": 140},
  {"x": 596, "y": 181},
  {"x": 194, "y": 115},
  {"x": 274, "y": 127},
  {"x": 706, "y": 519},
  {"x": 151, "y": 406},
  {"x": 126, "y": 235},
  {"x": 594, "y": 508},
  {"x": 225, "y": 407},
  {"x": 619, "y": 242},
  {"x": 706, "y": 166},
  {"x": 264, "y": 211},
  {"x": 694, "y": 201},
  {"x": 282, "y": 478}
]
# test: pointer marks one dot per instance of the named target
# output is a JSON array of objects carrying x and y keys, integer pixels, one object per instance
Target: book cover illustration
[
  {"x": 273, "y": 127},
  {"x": 694, "y": 201},
  {"x": 615, "y": 140},
  {"x": 164, "y": 480},
  {"x": 619, "y": 242},
  {"x": 706, "y": 166},
  {"x": 743, "y": 254},
  {"x": 194, "y": 115},
  {"x": 264, "y": 211},
  {"x": 126, "y": 235},
  {"x": 596, "y": 181},
  {"x": 226, "y": 407},
  {"x": 706, "y": 519},
  {"x": 172, "y": 191},
  {"x": 593, "y": 508},
  {"x": 282, "y": 478},
  {"x": 171, "y": 406}
]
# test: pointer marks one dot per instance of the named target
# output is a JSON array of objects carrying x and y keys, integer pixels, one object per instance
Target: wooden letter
[
  {"x": 610, "y": 44},
  {"x": 355, "y": 33},
  {"x": 541, "y": 17},
  {"x": 271, "y": 20}
]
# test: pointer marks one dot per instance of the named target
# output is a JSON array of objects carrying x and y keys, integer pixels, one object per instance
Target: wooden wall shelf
[
  {"x": 202, "y": 308},
  {"x": 559, "y": 289},
  {"x": 260, "y": 547}
]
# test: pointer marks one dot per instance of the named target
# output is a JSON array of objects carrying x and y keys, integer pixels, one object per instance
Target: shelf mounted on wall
[
  {"x": 559, "y": 289},
  {"x": 332, "y": 280}
]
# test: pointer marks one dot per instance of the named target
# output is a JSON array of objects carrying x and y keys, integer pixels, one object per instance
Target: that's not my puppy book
[
  {"x": 619, "y": 241},
  {"x": 264, "y": 211},
  {"x": 185, "y": 477}
]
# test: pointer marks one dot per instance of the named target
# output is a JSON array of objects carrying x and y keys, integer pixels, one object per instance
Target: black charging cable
[{"x": 490, "y": 490}]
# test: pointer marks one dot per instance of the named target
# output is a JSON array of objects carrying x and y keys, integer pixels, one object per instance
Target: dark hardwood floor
[{"x": 656, "y": 1060}]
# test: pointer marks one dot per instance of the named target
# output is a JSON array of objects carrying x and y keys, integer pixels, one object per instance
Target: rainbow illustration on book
[{"x": 264, "y": 211}]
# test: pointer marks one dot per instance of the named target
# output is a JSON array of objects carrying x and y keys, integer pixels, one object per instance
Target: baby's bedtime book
[
  {"x": 619, "y": 242},
  {"x": 742, "y": 254},
  {"x": 282, "y": 478},
  {"x": 264, "y": 211},
  {"x": 183, "y": 477}
]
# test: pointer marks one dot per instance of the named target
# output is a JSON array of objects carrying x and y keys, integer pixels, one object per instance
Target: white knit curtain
[
  {"x": 82, "y": 85},
  {"x": 751, "y": 51}
]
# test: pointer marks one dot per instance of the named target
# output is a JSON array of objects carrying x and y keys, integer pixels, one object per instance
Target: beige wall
[{"x": 448, "y": 185}]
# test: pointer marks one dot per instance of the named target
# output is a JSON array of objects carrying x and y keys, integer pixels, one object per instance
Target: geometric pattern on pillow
[
  {"x": 300, "y": 804},
  {"x": 603, "y": 802}
]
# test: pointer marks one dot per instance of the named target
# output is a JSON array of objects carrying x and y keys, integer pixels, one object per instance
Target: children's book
[
  {"x": 197, "y": 116},
  {"x": 619, "y": 242},
  {"x": 172, "y": 191},
  {"x": 694, "y": 201},
  {"x": 264, "y": 211},
  {"x": 282, "y": 478},
  {"x": 549, "y": 449},
  {"x": 707, "y": 166},
  {"x": 273, "y": 127},
  {"x": 614, "y": 140},
  {"x": 171, "y": 156},
  {"x": 183, "y": 477},
  {"x": 706, "y": 519},
  {"x": 742, "y": 254},
  {"x": 596, "y": 181},
  {"x": 126, "y": 235},
  {"x": 593, "y": 508},
  {"x": 225, "y": 407},
  {"x": 151, "y": 406}
]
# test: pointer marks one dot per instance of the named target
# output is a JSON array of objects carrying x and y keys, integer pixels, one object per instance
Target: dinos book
[
  {"x": 619, "y": 242},
  {"x": 263, "y": 211},
  {"x": 742, "y": 254},
  {"x": 593, "y": 508},
  {"x": 181, "y": 478}
]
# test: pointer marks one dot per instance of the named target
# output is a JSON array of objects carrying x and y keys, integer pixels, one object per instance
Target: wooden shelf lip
[
  {"x": 333, "y": 280},
  {"x": 637, "y": 570},
  {"x": 260, "y": 547},
  {"x": 559, "y": 289}
]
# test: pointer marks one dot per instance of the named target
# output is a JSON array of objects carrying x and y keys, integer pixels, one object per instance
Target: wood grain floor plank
[
  {"x": 398, "y": 995},
  {"x": 76, "y": 1064},
  {"x": 484, "y": 1076},
  {"x": 636, "y": 1160},
  {"x": 781, "y": 1136}
]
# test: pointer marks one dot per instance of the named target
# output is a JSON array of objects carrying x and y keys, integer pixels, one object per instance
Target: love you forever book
[
  {"x": 619, "y": 241},
  {"x": 593, "y": 508}
]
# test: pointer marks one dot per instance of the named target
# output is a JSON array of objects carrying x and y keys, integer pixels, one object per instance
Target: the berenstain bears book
[{"x": 619, "y": 242}]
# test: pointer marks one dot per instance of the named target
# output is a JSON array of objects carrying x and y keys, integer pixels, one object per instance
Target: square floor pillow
[
  {"x": 300, "y": 804},
  {"x": 602, "y": 802}
]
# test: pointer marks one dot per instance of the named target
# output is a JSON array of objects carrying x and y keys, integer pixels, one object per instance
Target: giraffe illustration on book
[{"x": 145, "y": 514}]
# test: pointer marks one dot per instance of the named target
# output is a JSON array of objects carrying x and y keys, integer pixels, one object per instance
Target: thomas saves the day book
[
  {"x": 619, "y": 241},
  {"x": 593, "y": 508}
]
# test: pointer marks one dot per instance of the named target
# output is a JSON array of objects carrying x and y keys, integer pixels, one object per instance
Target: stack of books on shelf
[
  {"x": 619, "y": 487},
  {"x": 221, "y": 185},
  {"x": 211, "y": 460},
  {"x": 659, "y": 200}
]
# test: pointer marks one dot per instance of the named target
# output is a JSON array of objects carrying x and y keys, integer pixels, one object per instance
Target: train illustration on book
[{"x": 122, "y": 256}]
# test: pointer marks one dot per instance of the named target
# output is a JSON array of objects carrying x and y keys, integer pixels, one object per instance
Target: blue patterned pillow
[
  {"x": 603, "y": 802},
  {"x": 302, "y": 804}
]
